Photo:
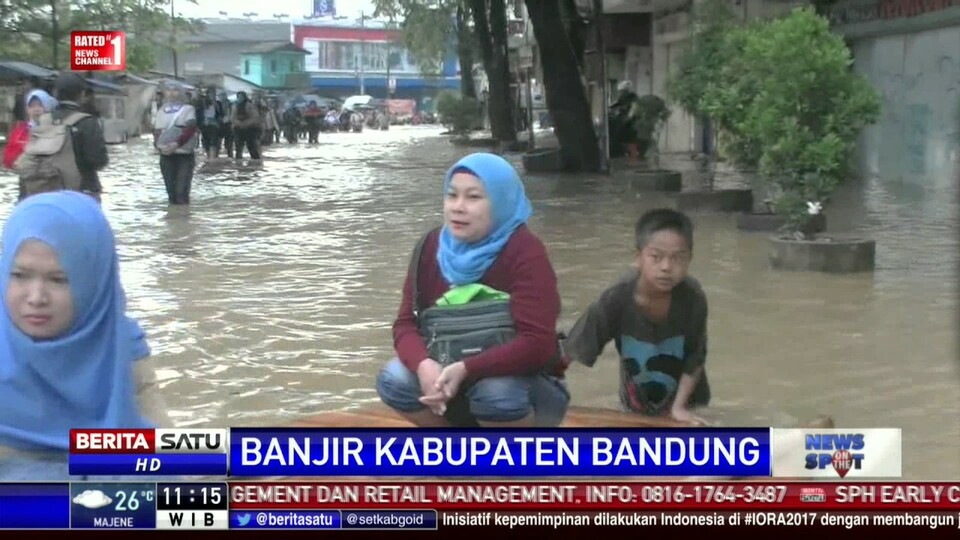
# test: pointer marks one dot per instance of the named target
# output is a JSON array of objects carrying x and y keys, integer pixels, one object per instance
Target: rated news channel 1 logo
[{"x": 98, "y": 50}]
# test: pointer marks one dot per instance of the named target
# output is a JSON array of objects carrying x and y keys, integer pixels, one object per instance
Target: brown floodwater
[{"x": 271, "y": 297}]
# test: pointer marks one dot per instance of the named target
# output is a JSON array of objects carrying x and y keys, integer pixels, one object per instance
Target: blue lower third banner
[
  {"x": 452, "y": 453},
  {"x": 334, "y": 519},
  {"x": 35, "y": 506},
  {"x": 148, "y": 464}
]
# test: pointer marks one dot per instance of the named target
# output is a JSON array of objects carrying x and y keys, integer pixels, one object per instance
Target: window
[
  {"x": 344, "y": 56},
  {"x": 273, "y": 66},
  {"x": 294, "y": 67},
  {"x": 246, "y": 67}
]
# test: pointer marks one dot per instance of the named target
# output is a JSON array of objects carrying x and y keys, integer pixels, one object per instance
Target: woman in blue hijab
[
  {"x": 69, "y": 355},
  {"x": 486, "y": 246}
]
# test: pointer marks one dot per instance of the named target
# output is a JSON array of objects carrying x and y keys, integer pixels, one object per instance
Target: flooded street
[{"x": 271, "y": 297}]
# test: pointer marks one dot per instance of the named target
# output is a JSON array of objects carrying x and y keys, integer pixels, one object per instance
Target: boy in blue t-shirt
[{"x": 657, "y": 316}]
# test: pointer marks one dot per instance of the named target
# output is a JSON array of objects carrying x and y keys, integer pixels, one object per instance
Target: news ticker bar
[
  {"x": 719, "y": 452},
  {"x": 221, "y": 505}
]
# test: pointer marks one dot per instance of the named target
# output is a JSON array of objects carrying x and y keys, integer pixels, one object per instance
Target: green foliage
[
  {"x": 458, "y": 114},
  {"x": 786, "y": 100},
  {"x": 652, "y": 112},
  {"x": 429, "y": 28},
  {"x": 29, "y": 28},
  {"x": 703, "y": 58}
]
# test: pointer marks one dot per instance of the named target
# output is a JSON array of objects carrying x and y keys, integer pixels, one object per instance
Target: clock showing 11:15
[{"x": 192, "y": 496}]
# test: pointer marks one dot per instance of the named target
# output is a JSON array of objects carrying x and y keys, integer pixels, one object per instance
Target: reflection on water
[{"x": 272, "y": 296}]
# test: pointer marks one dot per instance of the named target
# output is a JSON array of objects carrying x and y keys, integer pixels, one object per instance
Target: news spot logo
[
  {"x": 829, "y": 453},
  {"x": 842, "y": 451},
  {"x": 96, "y": 50},
  {"x": 813, "y": 495}
]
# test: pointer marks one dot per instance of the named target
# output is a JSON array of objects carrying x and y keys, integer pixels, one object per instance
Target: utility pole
[
  {"x": 363, "y": 58},
  {"x": 390, "y": 27},
  {"x": 531, "y": 143},
  {"x": 173, "y": 41},
  {"x": 55, "y": 31},
  {"x": 605, "y": 123}
]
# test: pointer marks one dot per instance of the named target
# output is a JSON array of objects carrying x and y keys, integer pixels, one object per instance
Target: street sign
[{"x": 392, "y": 83}]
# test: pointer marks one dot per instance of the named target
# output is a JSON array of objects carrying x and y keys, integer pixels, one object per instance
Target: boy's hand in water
[
  {"x": 683, "y": 414},
  {"x": 427, "y": 373}
]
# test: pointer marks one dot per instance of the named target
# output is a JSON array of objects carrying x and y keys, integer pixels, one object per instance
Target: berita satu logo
[{"x": 97, "y": 50}]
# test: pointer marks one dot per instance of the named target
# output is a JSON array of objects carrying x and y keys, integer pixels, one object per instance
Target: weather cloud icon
[{"x": 92, "y": 498}]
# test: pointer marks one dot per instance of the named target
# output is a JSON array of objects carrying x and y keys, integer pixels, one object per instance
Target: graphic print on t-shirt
[{"x": 651, "y": 372}]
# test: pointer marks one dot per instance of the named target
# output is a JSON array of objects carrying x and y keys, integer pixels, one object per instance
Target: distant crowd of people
[{"x": 57, "y": 140}]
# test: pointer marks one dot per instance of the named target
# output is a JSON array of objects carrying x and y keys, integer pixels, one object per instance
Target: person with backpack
[
  {"x": 38, "y": 102},
  {"x": 66, "y": 149},
  {"x": 177, "y": 137}
]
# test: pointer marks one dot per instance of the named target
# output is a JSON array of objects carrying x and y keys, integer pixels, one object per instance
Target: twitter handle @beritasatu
[{"x": 288, "y": 519}]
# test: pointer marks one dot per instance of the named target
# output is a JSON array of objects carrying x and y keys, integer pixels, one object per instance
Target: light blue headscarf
[
  {"x": 49, "y": 102},
  {"x": 462, "y": 263},
  {"x": 83, "y": 379}
]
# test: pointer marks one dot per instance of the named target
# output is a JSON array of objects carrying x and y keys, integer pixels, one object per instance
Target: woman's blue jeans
[{"x": 494, "y": 399}]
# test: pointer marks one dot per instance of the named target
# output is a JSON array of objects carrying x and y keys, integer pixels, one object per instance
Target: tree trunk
[
  {"x": 494, "y": 56},
  {"x": 566, "y": 96},
  {"x": 576, "y": 29},
  {"x": 465, "y": 53}
]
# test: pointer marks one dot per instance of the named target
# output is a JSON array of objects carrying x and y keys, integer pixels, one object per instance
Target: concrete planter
[
  {"x": 719, "y": 200},
  {"x": 656, "y": 180},
  {"x": 480, "y": 142},
  {"x": 548, "y": 160},
  {"x": 770, "y": 222},
  {"x": 725, "y": 174},
  {"x": 827, "y": 254}
]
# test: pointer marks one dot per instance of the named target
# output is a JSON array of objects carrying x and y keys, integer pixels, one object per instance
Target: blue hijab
[
  {"x": 83, "y": 379},
  {"x": 462, "y": 263},
  {"x": 46, "y": 100}
]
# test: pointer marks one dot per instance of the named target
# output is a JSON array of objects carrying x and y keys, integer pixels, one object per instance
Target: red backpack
[{"x": 16, "y": 142}]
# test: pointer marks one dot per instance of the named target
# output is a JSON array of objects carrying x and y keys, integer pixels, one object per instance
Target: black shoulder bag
[{"x": 453, "y": 333}]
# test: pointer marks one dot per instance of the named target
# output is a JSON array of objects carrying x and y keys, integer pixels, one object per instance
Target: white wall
[{"x": 918, "y": 78}]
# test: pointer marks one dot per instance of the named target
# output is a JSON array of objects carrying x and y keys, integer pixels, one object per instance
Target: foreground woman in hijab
[
  {"x": 69, "y": 355},
  {"x": 484, "y": 240}
]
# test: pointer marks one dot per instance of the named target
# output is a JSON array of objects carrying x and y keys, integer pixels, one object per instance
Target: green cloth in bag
[{"x": 474, "y": 292}]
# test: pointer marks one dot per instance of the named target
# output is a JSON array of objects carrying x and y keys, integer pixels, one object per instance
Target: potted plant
[
  {"x": 706, "y": 68},
  {"x": 651, "y": 113},
  {"x": 804, "y": 111},
  {"x": 459, "y": 115}
]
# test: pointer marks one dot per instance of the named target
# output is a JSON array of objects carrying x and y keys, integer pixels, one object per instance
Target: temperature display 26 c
[{"x": 103, "y": 505}]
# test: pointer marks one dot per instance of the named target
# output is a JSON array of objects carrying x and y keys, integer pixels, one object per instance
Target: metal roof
[
  {"x": 101, "y": 85},
  {"x": 278, "y": 46},
  {"x": 16, "y": 69}
]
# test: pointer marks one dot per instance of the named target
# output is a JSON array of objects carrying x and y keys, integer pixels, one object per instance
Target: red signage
[{"x": 93, "y": 50}]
